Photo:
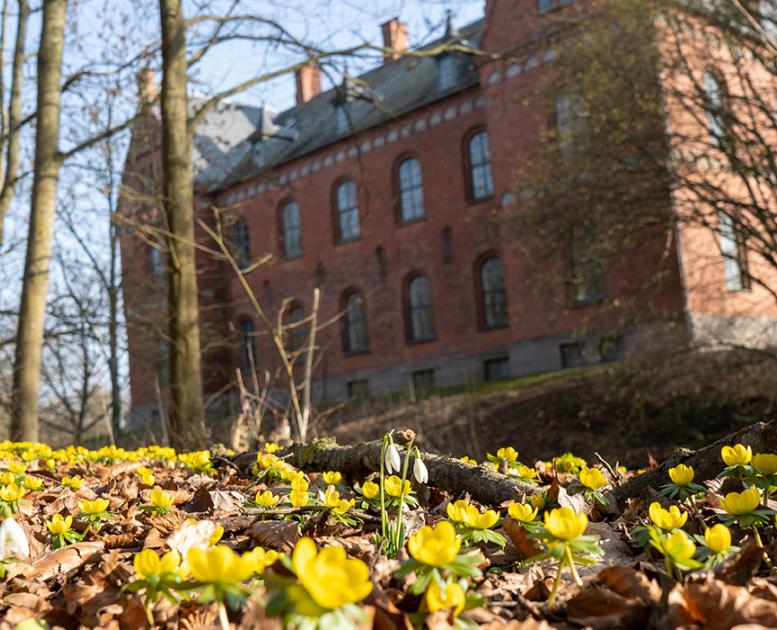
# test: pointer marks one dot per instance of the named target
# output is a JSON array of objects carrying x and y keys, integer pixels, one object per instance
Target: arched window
[
  {"x": 292, "y": 230},
  {"x": 713, "y": 105},
  {"x": 411, "y": 190},
  {"x": 420, "y": 324},
  {"x": 347, "y": 211},
  {"x": 241, "y": 244},
  {"x": 247, "y": 346},
  {"x": 479, "y": 157},
  {"x": 297, "y": 327},
  {"x": 493, "y": 297},
  {"x": 355, "y": 321}
]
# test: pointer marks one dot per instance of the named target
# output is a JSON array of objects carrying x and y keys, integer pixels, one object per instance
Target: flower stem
[
  {"x": 572, "y": 568},
  {"x": 383, "y": 518},
  {"x": 554, "y": 590},
  {"x": 223, "y": 619},
  {"x": 758, "y": 542}
]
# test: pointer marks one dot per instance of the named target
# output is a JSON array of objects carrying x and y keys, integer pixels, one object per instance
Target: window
[
  {"x": 571, "y": 124},
  {"x": 423, "y": 381},
  {"x": 713, "y": 105},
  {"x": 572, "y": 355},
  {"x": 447, "y": 72},
  {"x": 347, "y": 211},
  {"x": 732, "y": 248},
  {"x": 297, "y": 327},
  {"x": 588, "y": 279},
  {"x": 411, "y": 190},
  {"x": 359, "y": 388},
  {"x": 492, "y": 293},
  {"x": 157, "y": 266},
  {"x": 292, "y": 230},
  {"x": 241, "y": 244},
  {"x": 247, "y": 346},
  {"x": 479, "y": 157},
  {"x": 420, "y": 325},
  {"x": 496, "y": 369},
  {"x": 355, "y": 322}
]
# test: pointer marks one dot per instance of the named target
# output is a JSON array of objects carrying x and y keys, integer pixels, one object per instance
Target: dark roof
[{"x": 379, "y": 95}]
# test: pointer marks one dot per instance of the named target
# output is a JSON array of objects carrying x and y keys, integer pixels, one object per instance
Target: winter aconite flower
[
  {"x": 161, "y": 500},
  {"x": 738, "y": 503},
  {"x": 98, "y": 506},
  {"x": 718, "y": 538},
  {"x": 766, "y": 463},
  {"x": 370, "y": 490},
  {"x": 681, "y": 475},
  {"x": 679, "y": 547},
  {"x": 450, "y": 596},
  {"x": 436, "y": 546},
  {"x": 331, "y": 478},
  {"x": 333, "y": 501},
  {"x": 521, "y": 512},
  {"x": 266, "y": 499},
  {"x": 72, "y": 482},
  {"x": 329, "y": 576},
  {"x": 59, "y": 524},
  {"x": 261, "y": 558},
  {"x": 11, "y": 493},
  {"x": 592, "y": 478},
  {"x": 394, "y": 487},
  {"x": 667, "y": 519},
  {"x": 737, "y": 455},
  {"x": 147, "y": 563},
  {"x": 469, "y": 515},
  {"x": 33, "y": 483},
  {"x": 218, "y": 565},
  {"x": 565, "y": 524}
]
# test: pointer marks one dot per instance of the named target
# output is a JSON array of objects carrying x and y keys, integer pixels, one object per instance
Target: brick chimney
[
  {"x": 308, "y": 82},
  {"x": 394, "y": 37}
]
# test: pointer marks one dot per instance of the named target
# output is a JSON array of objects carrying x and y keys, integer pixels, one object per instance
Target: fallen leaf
[
  {"x": 278, "y": 535},
  {"x": 64, "y": 560}
]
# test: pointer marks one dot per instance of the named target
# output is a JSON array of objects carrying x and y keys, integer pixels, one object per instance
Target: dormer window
[
  {"x": 447, "y": 72},
  {"x": 342, "y": 123}
]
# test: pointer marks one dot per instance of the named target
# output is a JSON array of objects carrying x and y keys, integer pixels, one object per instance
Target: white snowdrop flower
[
  {"x": 393, "y": 460},
  {"x": 420, "y": 471},
  {"x": 13, "y": 540}
]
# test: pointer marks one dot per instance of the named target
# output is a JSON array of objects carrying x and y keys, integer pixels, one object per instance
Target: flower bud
[
  {"x": 393, "y": 460},
  {"x": 420, "y": 471}
]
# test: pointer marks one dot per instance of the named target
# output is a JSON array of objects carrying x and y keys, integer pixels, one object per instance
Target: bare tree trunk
[
  {"x": 29, "y": 341},
  {"x": 186, "y": 414},
  {"x": 14, "y": 116}
]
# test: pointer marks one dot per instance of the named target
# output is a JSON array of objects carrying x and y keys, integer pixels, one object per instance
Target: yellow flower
[
  {"x": 667, "y": 519},
  {"x": 718, "y": 538},
  {"x": 266, "y": 499},
  {"x": 522, "y": 512},
  {"x": 216, "y": 535},
  {"x": 332, "y": 500},
  {"x": 17, "y": 468},
  {"x": 272, "y": 447},
  {"x": 565, "y": 524},
  {"x": 147, "y": 478},
  {"x": 370, "y": 490},
  {"x": 737, "y": 503},
  {"x": 508, "y": 453},
  {"x": 261, "y": 558},
  {"x": 765, "y": 463},
  {"x": 7, "y": 478},
  {"x": 468, "y": 460},
  {"x": 331, "y": 478},
  {"x": 436, "y": 546},
  {"x": 72, "y": 482},
  {"x": 679, "y": 547},
  {"x": 59, "y": 524},
  {"x": 299, "y": 498},
  {"x": 737, "y": 455},
  {"x": 681, "y": 475},
  {"x": 393, "y": 486},
  {"x": 469, "y": 515},
  {"x": 330, "y": 577},
  {"x": 537, "y": 501},
  {"x": 33, "y": 483},
  {"x": 526, "y": 472},
  {"x": 299, "y": 483},
  {"x": 219, "y": 565},
  {"x": 592, "y": 478},
  {"x": 11, "y": 493},
  {"x": 160, "y": 498},
  {"x": 93, "y": 507},
  {"x": 147, "y": 563},
  {"x": 451, "y": 597}
]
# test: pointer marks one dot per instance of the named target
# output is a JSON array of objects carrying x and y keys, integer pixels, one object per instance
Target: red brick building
[{"x": 387, "y": 193}]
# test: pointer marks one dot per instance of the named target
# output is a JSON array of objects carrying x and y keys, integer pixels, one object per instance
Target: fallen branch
[
  {"x": 482, "y": 483},
  {"x": 706, "y": 462}
]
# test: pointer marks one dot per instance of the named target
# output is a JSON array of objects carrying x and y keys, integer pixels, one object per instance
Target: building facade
[{"x": 388, "y": 194}]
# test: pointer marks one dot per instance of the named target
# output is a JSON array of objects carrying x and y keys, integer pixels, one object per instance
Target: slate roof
[{"x": 242, "y": 141}]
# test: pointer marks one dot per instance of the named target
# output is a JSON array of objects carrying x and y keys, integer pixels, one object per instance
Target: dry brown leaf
[
  {"x": 741, "y": 567},
  {"x": 598, "y": 607},
  {"x": 278, "y": 535},
  {"x": 630, "y": 583},
  {"x": 721, "y": 606},
  {"x": 64, "y": 560},
  {"x": 525, "y": 546}
]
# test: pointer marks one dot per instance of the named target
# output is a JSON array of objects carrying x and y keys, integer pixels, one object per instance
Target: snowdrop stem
[{"x": 223, "y": 619}]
